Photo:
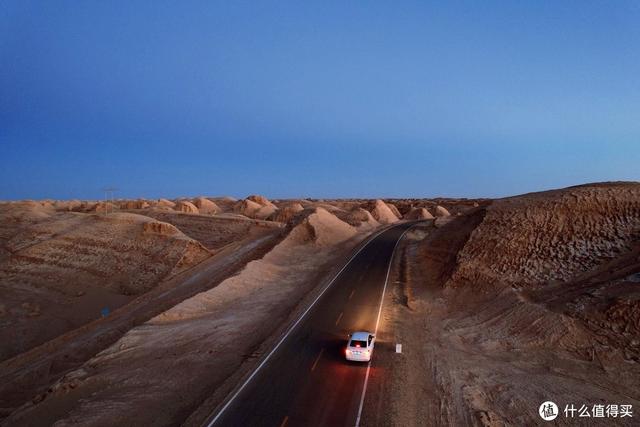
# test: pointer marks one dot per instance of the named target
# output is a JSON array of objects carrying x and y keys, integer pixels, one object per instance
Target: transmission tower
[{"x": 108, "y": 195}]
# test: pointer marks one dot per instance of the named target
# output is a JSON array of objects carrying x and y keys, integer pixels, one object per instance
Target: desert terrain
[
  {"x": 79, "y": 279},
  {"x": 527, "y": 299},
  {"x": 153, "y": 310}
]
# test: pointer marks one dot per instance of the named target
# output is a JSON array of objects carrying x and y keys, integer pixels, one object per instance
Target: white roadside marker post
[{"x": 398, "y": 348}]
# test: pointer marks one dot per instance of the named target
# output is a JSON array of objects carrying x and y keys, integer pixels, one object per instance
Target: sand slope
[
  {"x": 224, "y": 203},
  {"x": 441, "y": 211},
  {"x": 199, "y": 342},
  {"x": 418, "y": 213},
  {"x": 532, "y": 298},
  {"x": 553, "y": 235},
  {"x": 252, "y": 209},
  {"x": 319, "y": 230},
  {"x": 185, "y": 206},
  {"x": 261, "y": 200},
  {"x": 206, "y": 206},
  {"x": 87, "y": 262},
  {"x": 360, "y": 218},
  {"x": 382, "y": 213},
  {"x": 166, "y": 203},
  {"x": 286, "y": 213},
  {"x": 214, "y": 232},
  {"x": 394, "y": 209}
]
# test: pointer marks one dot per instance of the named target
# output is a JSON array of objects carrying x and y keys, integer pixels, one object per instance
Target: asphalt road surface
[{"x": 306, "y": 381}]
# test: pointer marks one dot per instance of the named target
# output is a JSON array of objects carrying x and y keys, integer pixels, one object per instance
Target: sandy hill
[
  {"x": 253, "y": 209},
  {"x": 165, "y": 203},
  {"x": 224, "y": 203},
  {"x": 306, "y": 203},
  {"x": 102, "y": 207},
  {"x": 206, "y": 206},
  {"x": 322, "y": 228},
  {"x": 185, "y": 206},
  {"x": 15, "y": 213},
  {"x": 329, "y": 207},
  {"x": 441, "y": 211},
  {"x": 361, "y": 218},
  {"x": 133, "y": 204},
  {"x": 347, "y": 205},
  {"x": 382, "y": 213},
  {"x": 286, "y": 212},
  {"x": 247, "y": 208},
  {"x": 452, "y": 205},
  {"x": 266, "y": 211},
  {"x": 307, "y": 244},
  {"x": 205, "y": 337},
  {"x": 418, "y": 213},
  {"x": 87, "y": 262},
  {"x": 67, "y": 205},
  {"x": 16, "y": 216},
  {"x": 394, "y": 209},
  {"x": 261, "y": 200},
  {"x": 267, "y": 208},
  {"x": 214, "y": 232}
]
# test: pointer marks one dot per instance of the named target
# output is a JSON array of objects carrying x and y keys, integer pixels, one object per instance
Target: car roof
[{"x": 360, "y": 336}]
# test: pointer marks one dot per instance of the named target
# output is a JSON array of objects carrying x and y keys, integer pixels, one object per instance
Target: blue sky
[{"x": 294, "y": 99}]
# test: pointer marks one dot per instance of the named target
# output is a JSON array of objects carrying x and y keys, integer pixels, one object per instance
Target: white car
[{"x": 360, "y": 346}]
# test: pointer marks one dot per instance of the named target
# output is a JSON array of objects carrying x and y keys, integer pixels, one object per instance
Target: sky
[{"x": 316, "y": 99}]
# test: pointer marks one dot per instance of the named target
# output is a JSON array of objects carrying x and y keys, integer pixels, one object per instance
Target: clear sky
[{"x": 330, "y": 99}]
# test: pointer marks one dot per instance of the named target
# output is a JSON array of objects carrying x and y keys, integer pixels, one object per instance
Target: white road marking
[
  {"x": 292, "y": 328},
  {"x": 352, "y": 292},
  {"x": 366, "y": 377},
  {"x": 339, "y": 317},
  {"x": 317, "y": 359}
]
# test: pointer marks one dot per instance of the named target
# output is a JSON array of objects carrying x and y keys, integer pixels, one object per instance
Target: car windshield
[{"x": 355, "y": 343}]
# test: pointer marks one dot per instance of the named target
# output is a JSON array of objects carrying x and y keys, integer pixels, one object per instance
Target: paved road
[{"x": 306, "y": 381}]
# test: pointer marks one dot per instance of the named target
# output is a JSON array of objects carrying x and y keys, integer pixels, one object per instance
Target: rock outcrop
[{"x": 551, "y": 236}]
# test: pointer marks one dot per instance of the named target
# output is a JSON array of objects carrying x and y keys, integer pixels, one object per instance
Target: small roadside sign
[{"x": 398, "y": 348}]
